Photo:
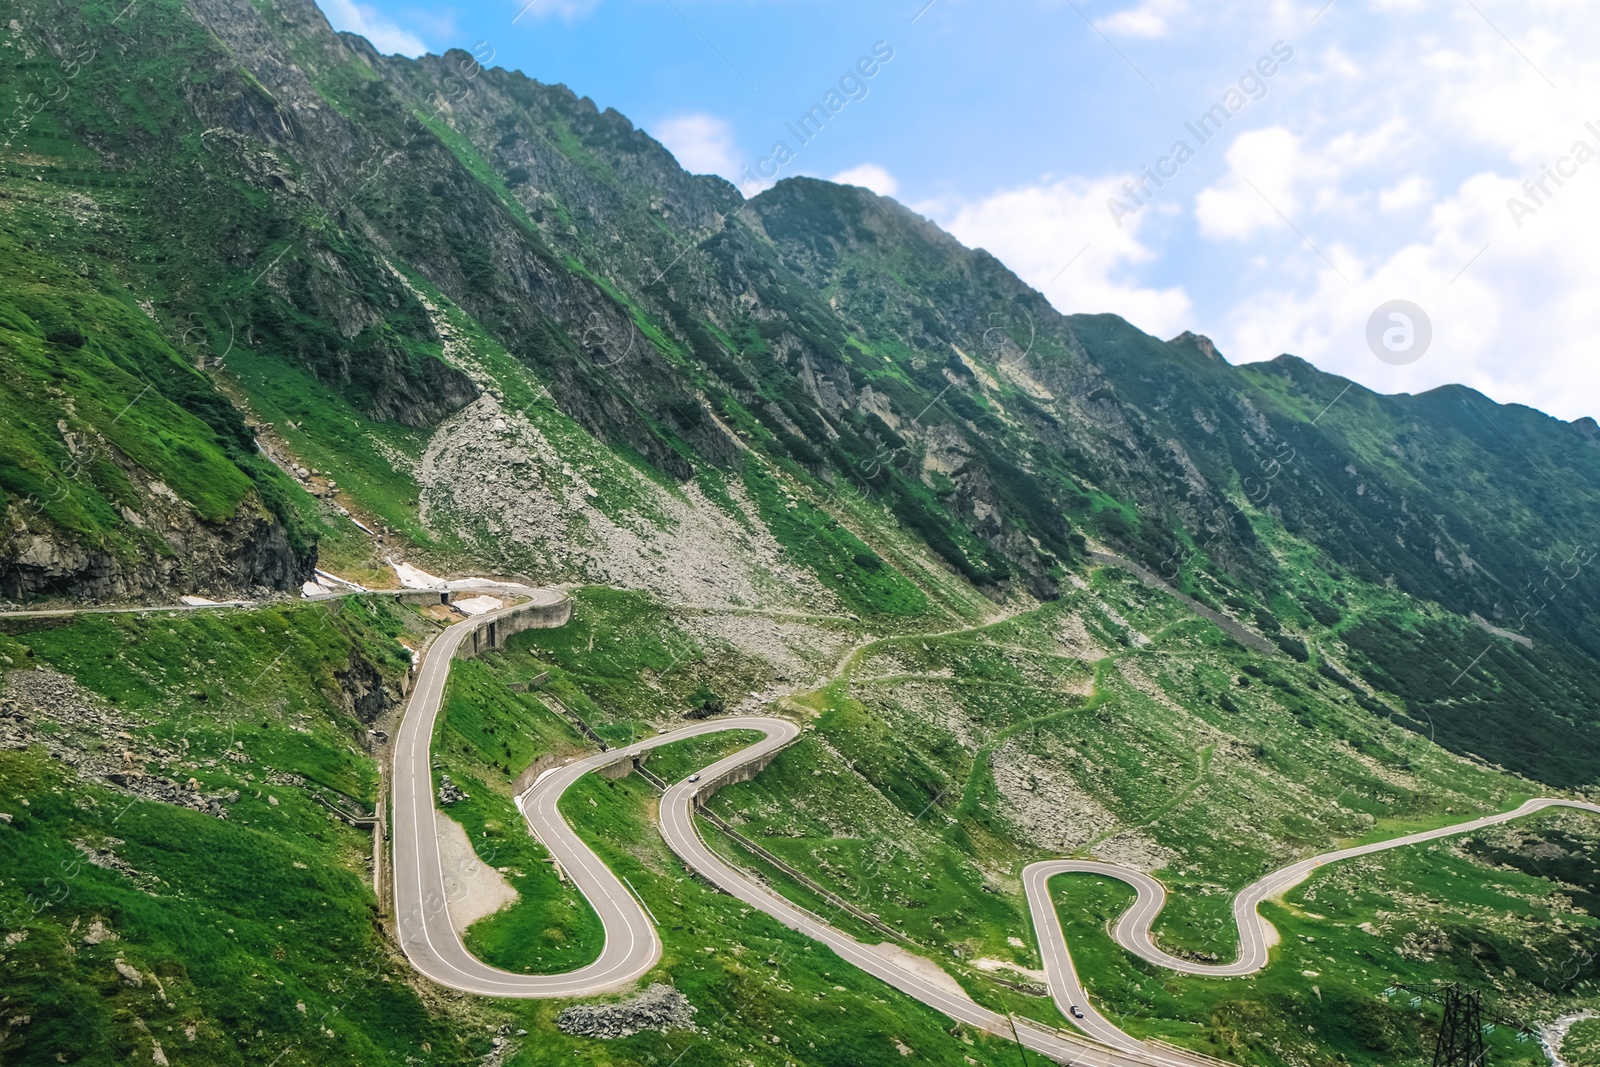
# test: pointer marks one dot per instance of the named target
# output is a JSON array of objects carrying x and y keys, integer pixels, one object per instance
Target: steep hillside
[
  {"x": 400, "y": 274},
  {"x": 1046, "y": 585}
]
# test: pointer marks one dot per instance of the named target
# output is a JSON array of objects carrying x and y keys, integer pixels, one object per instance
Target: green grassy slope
[
  {"x": 184, "y": 268},
  {"x": 245, "y": 938}
]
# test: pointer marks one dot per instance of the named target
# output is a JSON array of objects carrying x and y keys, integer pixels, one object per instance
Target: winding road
[
  {"x": 1132, "y": 931},
  {"x": 632, "y": 947}
]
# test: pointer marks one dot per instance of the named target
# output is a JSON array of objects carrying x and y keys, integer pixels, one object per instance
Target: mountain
[
  {"x": 293, "y": 253},
  {"x": 272, "y": 301}
]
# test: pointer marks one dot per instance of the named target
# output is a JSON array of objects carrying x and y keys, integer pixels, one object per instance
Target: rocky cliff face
[
  {"x": 363, "y": 689},
  {"x": 246, "y": 555}
]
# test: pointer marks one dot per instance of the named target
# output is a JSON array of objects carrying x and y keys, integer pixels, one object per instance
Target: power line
[
  {"x": 1466, "y": 1023},
  {"x": 1460, "y": 1041}
]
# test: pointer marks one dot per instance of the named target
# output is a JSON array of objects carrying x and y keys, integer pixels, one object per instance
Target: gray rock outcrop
[
  {"x": 449, "y": 792},
  {"x": 660, "y": 1007}
]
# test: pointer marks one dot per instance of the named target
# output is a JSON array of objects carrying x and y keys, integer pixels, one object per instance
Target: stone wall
[{"x": 531, "y": 774}]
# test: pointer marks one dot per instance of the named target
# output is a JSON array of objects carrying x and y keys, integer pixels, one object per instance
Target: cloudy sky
[{"x": 1359, "y": 151}]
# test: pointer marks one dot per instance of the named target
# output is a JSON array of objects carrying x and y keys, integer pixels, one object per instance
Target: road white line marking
[{"x": 632, "y": 946}]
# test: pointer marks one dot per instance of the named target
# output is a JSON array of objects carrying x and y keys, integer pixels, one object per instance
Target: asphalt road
[
  {"x": 632, "y": 946},
  {"x": 679, "y": 829},
  {"x": 421, "y": 883},
  {"x": 47, "y": 613},
  {"x": 1132, "y": 931}
]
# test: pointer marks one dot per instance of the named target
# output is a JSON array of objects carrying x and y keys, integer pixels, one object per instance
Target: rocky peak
[{"x": 1189, "y": 341}]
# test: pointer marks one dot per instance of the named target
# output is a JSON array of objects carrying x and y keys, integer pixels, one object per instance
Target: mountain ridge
[
  {"x": 1031, "y": 586},
  {"x": 374, "y": 228}
]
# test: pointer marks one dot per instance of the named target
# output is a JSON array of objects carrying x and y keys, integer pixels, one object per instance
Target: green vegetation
[
  {"x": 718, "y": 952},
  {"x": 331, "y": 436},
  {"x": 906, "y": 799},
  {"x": 1582, "y": 1045},
  {"x": 902, "y": 417},
  {"x": 89, "y": 379},
  {"x": 231, "y": 927},
  {"x": 486, "y": 737},
  {"x": 626, "y": 665},
  {"x": 841, "y": 560},
  {"x": 756, "y": 984},
  {"x": 228, "y": 925},
  {"x": 1410, "y": 916},
  {"x": 1136, "y": 754}
]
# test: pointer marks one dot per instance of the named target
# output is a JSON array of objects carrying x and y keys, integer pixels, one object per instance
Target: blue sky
[{"x": 1386, "y": 158}]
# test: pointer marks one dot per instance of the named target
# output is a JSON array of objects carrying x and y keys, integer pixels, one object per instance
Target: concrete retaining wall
[
  {"x": 492, "y": 633},
  {"x": 526, "y": 779},
  {"x": 738, "y": 774},
  {"x": 423, "y": 596},
  {"x": 621, "y": 769}
]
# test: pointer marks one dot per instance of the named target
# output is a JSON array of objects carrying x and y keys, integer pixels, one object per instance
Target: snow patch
[
  {"x": 416, "y": 578},
  {"x": 477, "y": 605}
]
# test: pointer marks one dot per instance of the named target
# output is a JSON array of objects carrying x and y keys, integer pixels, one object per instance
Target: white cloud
[
  {"x": 386, "y": 36},
  {"x": 702, "y": 143},
  {"x": 1149, "y": 19},
  {"x": 1038, "y": 230},
  {"x": 1403, "y": 181},
  {"x": 1394, "y": 154},
  {"x": 1264, "y": 166},
  {"x": 1407, "y": 193},
  {"x": 869, "y": 176},
  {"x": 1272, "y": 170},
  {"x": 1517, "y": 323}
]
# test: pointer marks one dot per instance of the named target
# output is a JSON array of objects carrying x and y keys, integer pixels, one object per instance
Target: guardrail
[
  {"x": 826, "y": 894},
  {"x": 743, "y": 773},
  {"x": 575, "y": 719},
  {"x": 1167, "y": 1046}
]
